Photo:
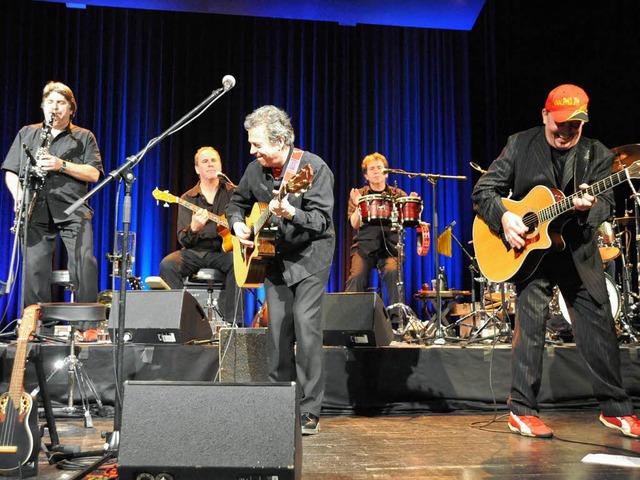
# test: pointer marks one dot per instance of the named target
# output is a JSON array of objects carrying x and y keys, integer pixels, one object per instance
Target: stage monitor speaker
[
  {"x": 203, "y": 430},
  {"x": 355, "y": 319},
  {"x": 243, "y": 355},
  {"x": 160, "y": 316}
]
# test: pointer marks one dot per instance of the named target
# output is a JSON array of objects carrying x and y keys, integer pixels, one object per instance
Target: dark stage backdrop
[{"x": 349, "y": 90}]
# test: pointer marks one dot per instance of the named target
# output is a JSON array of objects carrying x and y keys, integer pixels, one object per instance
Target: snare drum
[
  {"x": 409, "y": 210},
  {"x": 607, "y": 242},
  {"x": 375, "y": 208}
]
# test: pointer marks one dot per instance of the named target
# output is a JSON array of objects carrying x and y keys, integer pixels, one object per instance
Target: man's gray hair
[{"x": 276, "y": 121}]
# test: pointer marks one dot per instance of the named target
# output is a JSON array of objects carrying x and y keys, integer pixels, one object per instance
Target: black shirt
[
  {"x": 207, "y": 239},
  {"x": 305, "y": 243},
  {"x": 74, "y": 145},
  {"x": 373, "y": 238}
]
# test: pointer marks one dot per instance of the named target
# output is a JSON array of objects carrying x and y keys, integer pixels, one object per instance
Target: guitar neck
[
  {"x": 16, "y": 386},
  {"x": 555, "y": 210},
  {"x": 265, "y": 215},
  {"x": 212, "y": 216}
]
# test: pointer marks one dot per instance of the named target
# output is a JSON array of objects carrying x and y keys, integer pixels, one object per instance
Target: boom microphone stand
[
  {"x": 439, "y": 336},
  {"x": 124, "y": 171}
]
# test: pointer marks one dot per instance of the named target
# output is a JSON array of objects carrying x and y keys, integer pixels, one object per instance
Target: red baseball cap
[{"x": 567, "y": 102}]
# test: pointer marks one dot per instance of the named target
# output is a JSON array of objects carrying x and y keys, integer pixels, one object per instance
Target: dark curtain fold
[{"x": 349, "y": 90}]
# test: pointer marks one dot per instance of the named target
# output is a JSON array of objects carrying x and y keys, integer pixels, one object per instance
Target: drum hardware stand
[
  {"x": 501, "y": 326},
  {"x": 628, "y": 306},
  {"x": 125, "y": 173},
  {"x": 474, "y": 270},
  {"x": 407, "y": 319},
  {"x": 439, "y": 337}
]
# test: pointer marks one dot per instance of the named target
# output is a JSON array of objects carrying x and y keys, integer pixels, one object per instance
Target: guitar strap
[{"x": 292, "y": 168}]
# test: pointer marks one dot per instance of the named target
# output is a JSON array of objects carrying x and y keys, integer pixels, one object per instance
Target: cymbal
[
  {"x": 625, "y": 220},
  {"x": 625, "y": 156}
]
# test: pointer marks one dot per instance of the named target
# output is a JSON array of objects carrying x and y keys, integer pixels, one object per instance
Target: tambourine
[{"x": 423, "y": 238}]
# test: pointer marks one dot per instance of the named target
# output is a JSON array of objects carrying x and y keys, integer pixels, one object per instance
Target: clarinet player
[{"x": 67, "y": 160}]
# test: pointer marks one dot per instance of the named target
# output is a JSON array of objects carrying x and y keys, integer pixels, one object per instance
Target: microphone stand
[
  {"x": 439, "y": 335},
  {"x": 125, "y": 173},
  {"x": 29, "y": 183}
]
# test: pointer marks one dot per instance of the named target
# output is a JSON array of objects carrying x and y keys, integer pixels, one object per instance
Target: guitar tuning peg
[{"x": 165, "y": 205}]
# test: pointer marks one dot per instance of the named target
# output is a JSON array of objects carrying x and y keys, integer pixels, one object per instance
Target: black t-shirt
[
  {"x": 74, "y": 145},
  {"x": 373, "y": 238}
]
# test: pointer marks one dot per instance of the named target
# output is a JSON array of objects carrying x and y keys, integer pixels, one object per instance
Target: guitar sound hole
[{"x": 531, "y": 221}]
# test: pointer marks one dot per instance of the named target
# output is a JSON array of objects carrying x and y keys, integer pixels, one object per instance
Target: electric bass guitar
[
  {"x": 538, "y": 209},
  {"x": 250, "y": 263},
  {"x": 220, "y": 220},
  {"x": 19, "y": 435}
]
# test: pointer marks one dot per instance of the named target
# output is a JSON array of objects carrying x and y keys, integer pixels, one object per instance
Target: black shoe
[{"x": 310, "y": 424}]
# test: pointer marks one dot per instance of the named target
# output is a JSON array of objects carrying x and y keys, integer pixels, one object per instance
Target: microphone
[
  {"x": 225, "y": 179},
  {"x": 228, "y": 82},
  {"x": 391, "y": 170},
  {"x": 451, "y": 225},
  {"x": 477, "y": 167},
  {"x": 30, "y": 155}
]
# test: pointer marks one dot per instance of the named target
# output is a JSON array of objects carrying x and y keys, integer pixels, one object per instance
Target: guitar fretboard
[
  {"x": 212, "y": 216},
  {"x": 552, "y": 211}
]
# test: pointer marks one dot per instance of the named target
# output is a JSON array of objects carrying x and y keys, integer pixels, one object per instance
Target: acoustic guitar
[
  {"x": 250, "y": 263},
  {"x": 220, "y": 220},
  {"x": 538, "y": 209},
  {"x": 19, "y": 434}
]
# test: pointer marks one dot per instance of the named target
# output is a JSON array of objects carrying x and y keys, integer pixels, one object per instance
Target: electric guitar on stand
[
  {"x": 19, "y": 435},
  {"x": 220, "y": 220},
  {"x": 250, "y": 263},
  {"x": 538, "y": 209}
]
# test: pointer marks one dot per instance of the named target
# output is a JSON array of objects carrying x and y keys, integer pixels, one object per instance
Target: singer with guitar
[
  {"x": 300, "y": 231},
  {"x": 202, "y": 240},
  {"x": 67, "y": 158},
  {"x": 536, "y": 165}
]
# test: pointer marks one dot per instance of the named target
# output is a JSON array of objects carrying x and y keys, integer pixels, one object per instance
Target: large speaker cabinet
[
  {"x": 355, "y": 319},
  {"x": 160, "y": 316},
  {"x": 202, "y": 430}
]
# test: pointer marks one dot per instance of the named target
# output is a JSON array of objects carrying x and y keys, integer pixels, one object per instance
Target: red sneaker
[
  {"x": 629, "y": 425},
  {"x": 529, "y": 426}
]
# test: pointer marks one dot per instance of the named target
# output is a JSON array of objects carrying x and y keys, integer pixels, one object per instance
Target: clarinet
[
  {"x": 43, "y": 149},
  {"x": 38, "y": 174}
]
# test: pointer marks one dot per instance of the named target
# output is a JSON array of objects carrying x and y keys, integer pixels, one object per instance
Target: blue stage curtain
[{"x": 350, "y": 91}]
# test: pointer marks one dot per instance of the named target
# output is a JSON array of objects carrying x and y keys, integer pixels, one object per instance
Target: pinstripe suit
[{"x": 525, "y": 162}]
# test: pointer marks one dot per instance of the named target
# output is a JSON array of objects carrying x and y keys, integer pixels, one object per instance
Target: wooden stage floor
[{"x": 440, "y": 446}]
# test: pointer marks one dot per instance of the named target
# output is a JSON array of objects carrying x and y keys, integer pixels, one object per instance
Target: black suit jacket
[{"x": 526, "y": 162}]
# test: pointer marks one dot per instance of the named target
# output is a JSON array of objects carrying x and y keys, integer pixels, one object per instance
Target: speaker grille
[{"x": 204, "y": 430}]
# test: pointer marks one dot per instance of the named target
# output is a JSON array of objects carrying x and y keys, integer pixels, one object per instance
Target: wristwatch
[{"x": 64, "y": 166}]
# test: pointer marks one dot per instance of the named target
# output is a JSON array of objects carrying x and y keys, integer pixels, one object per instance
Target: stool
[
  {"x": 74, "y": 313},
  {"x": 213, "y": 281}
]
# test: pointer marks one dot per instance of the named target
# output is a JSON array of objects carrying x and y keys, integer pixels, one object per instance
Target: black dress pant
[
  {"x": 594, "y": 334},
  {"x": 295, "y": 336}
]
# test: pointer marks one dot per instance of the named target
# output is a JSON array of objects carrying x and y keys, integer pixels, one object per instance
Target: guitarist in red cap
[
  {"x": 294, "y": 250},
  {"x": 541, "y": 161}
]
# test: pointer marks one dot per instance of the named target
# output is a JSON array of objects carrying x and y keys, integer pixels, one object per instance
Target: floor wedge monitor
[
  {"x": 160, "y": 316},
  {"x": 355, "y": 320},
  {"x": 206, "y": 430}
]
